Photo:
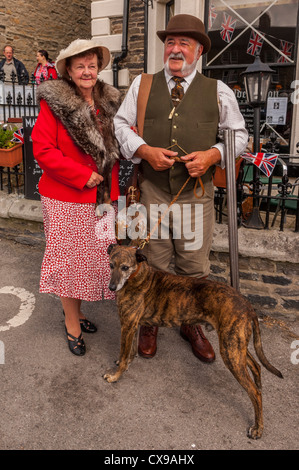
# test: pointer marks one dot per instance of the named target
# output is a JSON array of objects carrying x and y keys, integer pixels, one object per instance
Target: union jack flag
[
  {"x": 212, "y": 15},
  {"x": 255, "y": 43},
  {"x": 264, "y": 161},
  {"x": 18, "y": 136},
  {"x": 286, "y": 48},
  {"x": 227, "y": 27}
]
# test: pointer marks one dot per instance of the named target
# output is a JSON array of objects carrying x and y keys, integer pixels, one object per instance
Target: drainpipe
[
  {"x": 145, "y": 36},
  {"x": 124, "y": 46}
]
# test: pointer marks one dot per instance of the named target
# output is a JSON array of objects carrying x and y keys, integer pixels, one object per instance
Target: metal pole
[{"x": 229, "y": 141}]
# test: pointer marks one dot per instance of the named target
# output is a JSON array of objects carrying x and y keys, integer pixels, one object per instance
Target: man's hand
[
  {"x": 94, "y": 180},
  {"x": 197, "y": 163},
  {"x": 157, "y": 157}
]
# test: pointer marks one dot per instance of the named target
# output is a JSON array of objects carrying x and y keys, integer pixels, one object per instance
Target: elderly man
[
  {"x": 11, "y": 65},
  {"x": 184, "y": 114}
]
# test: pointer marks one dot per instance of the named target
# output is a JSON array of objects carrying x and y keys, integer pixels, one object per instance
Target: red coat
[
  {"x": 66, "y": 168},
  {"x": 51, "y": 72}
]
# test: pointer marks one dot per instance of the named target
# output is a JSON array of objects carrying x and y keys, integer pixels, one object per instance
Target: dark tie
[{"x": 177, "y": 91}]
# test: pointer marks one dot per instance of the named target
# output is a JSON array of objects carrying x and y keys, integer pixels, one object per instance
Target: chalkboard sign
[
  {"x": 125, "y": 171},
  {"x": 32, "y": 171}
]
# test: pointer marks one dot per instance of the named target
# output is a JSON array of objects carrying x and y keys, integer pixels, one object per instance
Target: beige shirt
[{"x": 8, "y": 68}]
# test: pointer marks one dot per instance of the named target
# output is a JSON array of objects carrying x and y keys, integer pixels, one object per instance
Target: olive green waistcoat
[{"x": 194, "y": 126}]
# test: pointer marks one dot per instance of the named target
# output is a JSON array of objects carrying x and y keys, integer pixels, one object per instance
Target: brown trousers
[{"x": 188, "y": 217}]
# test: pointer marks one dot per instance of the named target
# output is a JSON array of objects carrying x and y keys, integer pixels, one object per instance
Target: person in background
[
  {"x": 74, "y": 144},
  {"x": 184, "y": 116},
  {"x": 44, "y": 70},
  {"x": 10, "y": 65}
]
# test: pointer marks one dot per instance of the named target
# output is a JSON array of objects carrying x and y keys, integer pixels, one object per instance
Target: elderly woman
[
  {"x": 44, "y": 69},
  {"x": 74, "y": 144}
]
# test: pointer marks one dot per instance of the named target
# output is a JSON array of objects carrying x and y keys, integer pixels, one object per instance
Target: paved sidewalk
[{"x": 49, "y": 399}]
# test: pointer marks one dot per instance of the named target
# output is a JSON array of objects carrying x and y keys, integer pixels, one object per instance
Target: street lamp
[{"x": 257, "y": 79}]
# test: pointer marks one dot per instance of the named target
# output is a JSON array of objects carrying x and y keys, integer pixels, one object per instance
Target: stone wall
[
  {"x": 268, "y": 268},
  {"x": 51, "y": 25}
]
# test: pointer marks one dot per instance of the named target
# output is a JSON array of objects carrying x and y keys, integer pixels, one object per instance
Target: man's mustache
[{"x": 178, "y": 55}]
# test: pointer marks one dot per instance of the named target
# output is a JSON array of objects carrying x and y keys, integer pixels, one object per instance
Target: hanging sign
[{"x": 277, "y": 110}]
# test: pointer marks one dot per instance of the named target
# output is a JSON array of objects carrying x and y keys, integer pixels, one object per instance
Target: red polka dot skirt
[{"x": 76, "y": 263}]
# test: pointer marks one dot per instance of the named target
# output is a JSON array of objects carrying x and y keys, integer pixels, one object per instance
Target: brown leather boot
[
  {"x": 201, "y": 347},
  {"x": 147, "y": 345}
]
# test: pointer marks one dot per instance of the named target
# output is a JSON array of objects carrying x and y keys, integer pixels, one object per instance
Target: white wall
[{"x": 101, "y": 12}]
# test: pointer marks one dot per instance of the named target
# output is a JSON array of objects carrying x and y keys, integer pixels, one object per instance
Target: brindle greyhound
[{"x": 149, "y": 297}]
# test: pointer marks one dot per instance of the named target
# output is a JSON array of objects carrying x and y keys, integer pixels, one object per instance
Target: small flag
[
  {"x": 227, "y": 27},
  {"x": 286, "y": 48},
  {"x": 264, "y": 161},
  {"x": 212, "y": 15},
  {"x": 255, "y": 43},
  {"x": 18, "y": 136}
]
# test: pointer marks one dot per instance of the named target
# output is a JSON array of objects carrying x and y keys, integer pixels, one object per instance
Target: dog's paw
[
  {"x": 254, "y": 432},
  {"x": 111, "y": 377}
]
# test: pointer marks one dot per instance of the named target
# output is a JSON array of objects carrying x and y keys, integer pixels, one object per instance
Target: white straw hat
[{"x": 76, "y": 47}]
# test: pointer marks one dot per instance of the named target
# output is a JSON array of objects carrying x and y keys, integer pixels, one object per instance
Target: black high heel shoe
[
  {"x": 86, "y": 325},
  {"x": 76, "y": 345}
]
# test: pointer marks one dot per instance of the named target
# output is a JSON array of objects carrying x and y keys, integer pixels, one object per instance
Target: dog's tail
[{"x": 259, "y": 349}]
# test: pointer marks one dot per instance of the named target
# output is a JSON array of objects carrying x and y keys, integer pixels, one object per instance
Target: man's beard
[{"x": 186, "y": 68}]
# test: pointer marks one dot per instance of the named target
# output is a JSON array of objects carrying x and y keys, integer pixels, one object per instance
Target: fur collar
[{"x": 82, "y": 125}]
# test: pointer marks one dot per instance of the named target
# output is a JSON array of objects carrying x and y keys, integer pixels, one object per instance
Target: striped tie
[{"x": 177, "y": 91}]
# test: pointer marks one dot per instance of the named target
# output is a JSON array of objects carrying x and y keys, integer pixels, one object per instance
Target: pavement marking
[
  {"x": 2, "y": 353},
  {"x": 26, "y": 307}
]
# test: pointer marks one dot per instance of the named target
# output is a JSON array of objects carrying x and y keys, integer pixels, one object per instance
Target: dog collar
[{"x": 135, "y": 272}]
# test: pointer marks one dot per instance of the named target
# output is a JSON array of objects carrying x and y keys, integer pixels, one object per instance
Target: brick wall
[{"x": 51, "y": 25}]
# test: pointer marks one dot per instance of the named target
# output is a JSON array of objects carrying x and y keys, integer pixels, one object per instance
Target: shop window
[{"x": 238, "y": 32}]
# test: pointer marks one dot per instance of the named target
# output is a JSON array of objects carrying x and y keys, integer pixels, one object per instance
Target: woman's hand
[{"x": 94, "y": 180}]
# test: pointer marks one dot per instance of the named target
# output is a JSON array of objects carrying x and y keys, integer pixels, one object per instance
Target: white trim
[
  {"x": 123, "y": 77},
  {"x": 107, "y": 8},
  {"x": 101, "y": 12},
  {"x": 100, "y": 27},
  {"x": 112, "y": 41}
]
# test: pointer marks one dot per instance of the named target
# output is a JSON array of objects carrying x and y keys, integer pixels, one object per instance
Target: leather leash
[{"x": 177, "y": 159}]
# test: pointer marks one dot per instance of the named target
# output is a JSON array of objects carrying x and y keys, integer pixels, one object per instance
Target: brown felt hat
[{"x": 187, "y": 25}]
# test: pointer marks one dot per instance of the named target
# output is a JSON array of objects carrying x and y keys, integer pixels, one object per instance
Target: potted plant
[{"x": 10, "y": 152}]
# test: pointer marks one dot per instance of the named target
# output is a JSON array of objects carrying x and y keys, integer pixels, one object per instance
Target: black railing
[
  {"x": 17, "y": 97},
  {"x": 277, "y": 196}
]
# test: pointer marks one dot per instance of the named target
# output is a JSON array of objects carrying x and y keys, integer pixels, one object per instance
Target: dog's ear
[
  {"x": 140, "y": 257},
  {"x": 110, "y": 248}
]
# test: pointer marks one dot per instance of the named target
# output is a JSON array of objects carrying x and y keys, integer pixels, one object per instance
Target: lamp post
[{"x": 257, "y": 79}]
